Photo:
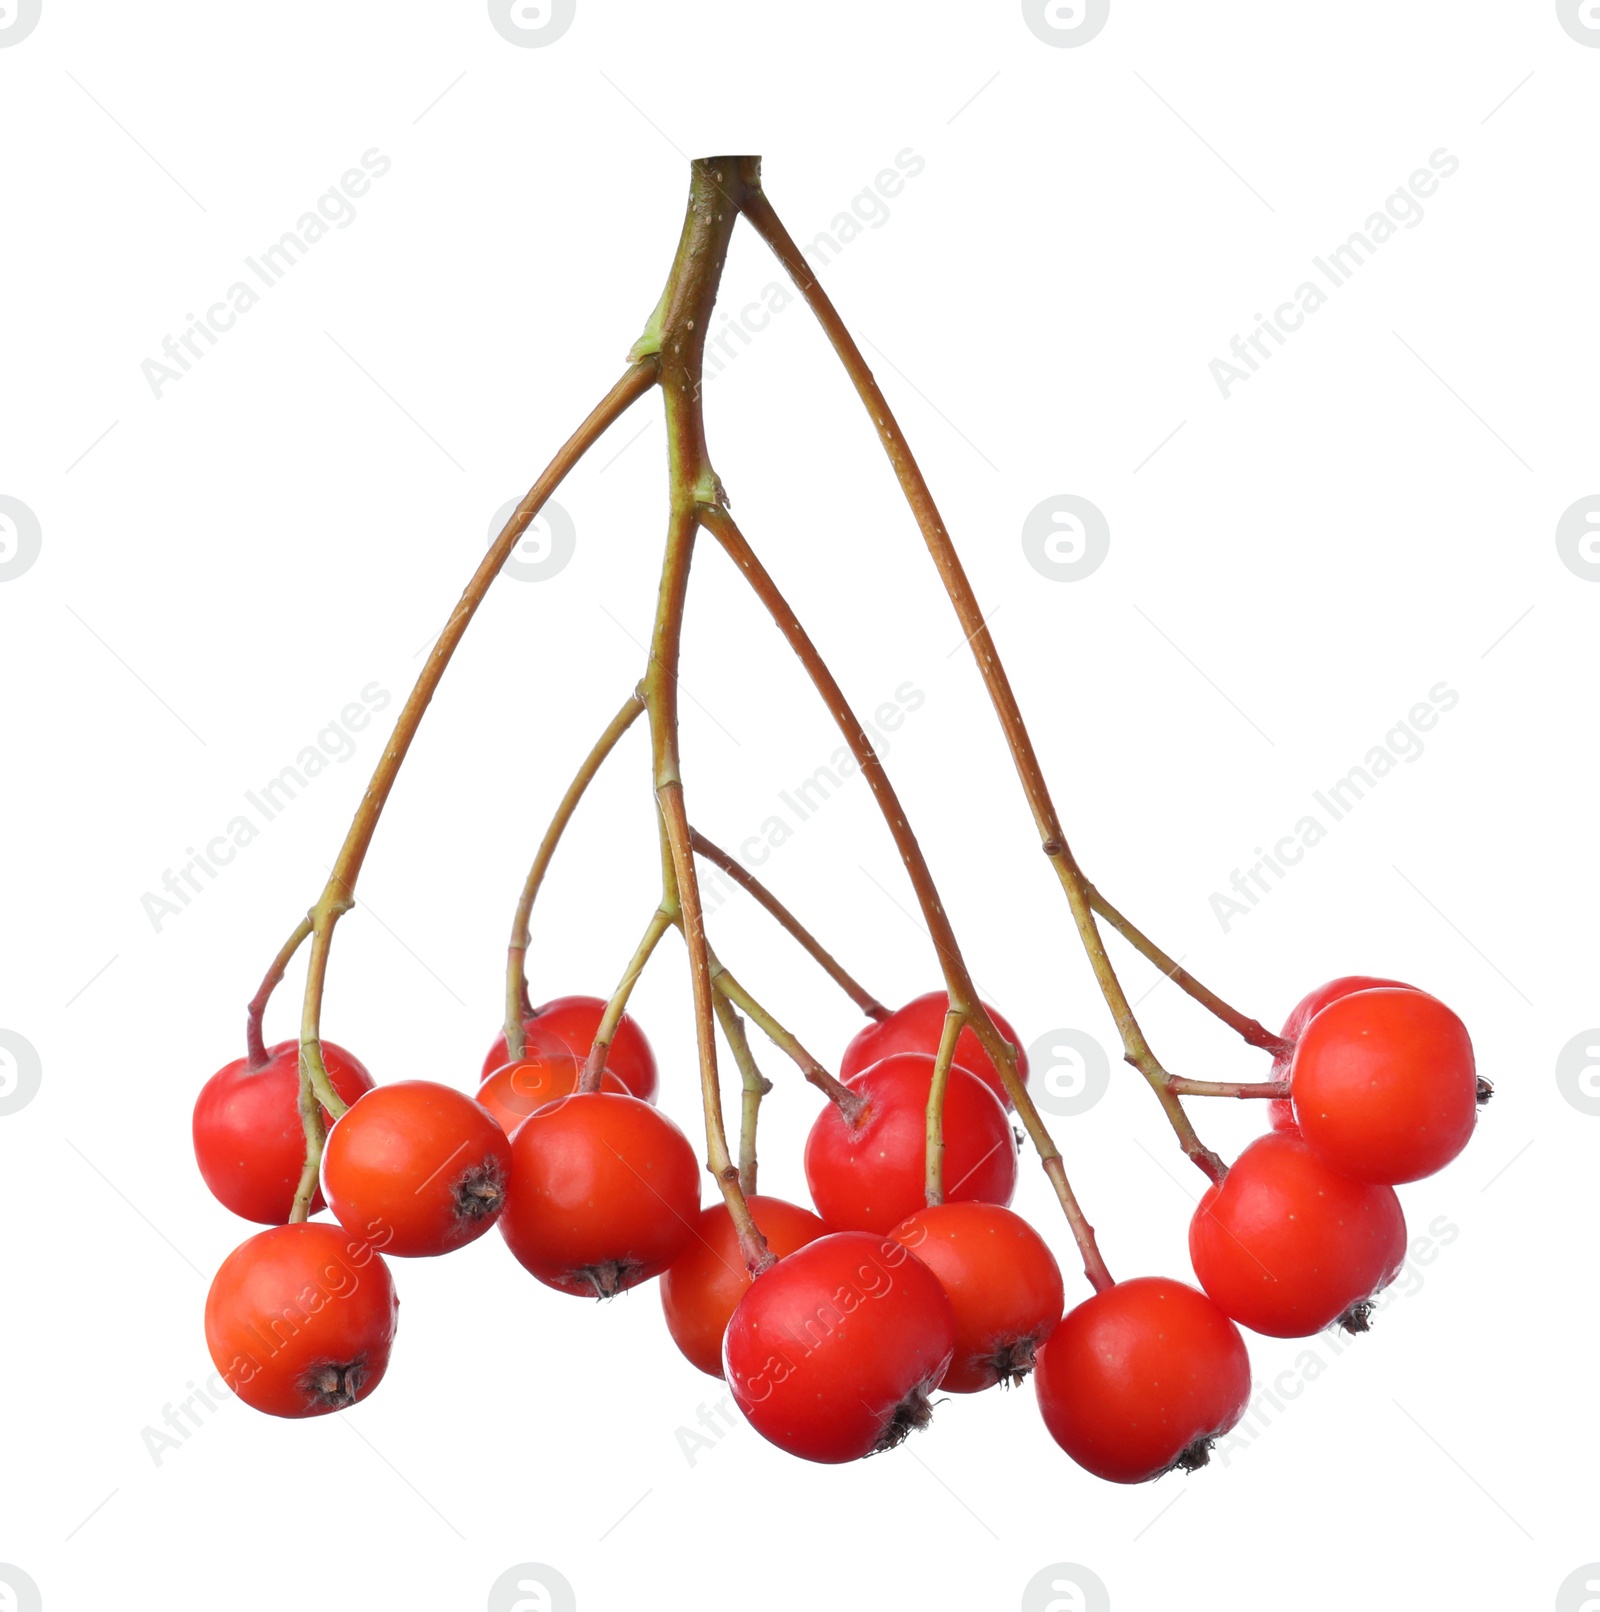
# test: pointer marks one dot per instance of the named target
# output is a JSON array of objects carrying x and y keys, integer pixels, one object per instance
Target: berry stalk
[
  {"x": 747, "y": 881},
  {"x": 255, "y": 1043},
  {"x": 756, "y": 1086},
  {"x": 958, "y": 981},
  {"x": 337, "y": 896},
  {"x": 518, "y": 1006},
  {"x": 953, "y": 1021},
  {"x": 1136, "y": 1048},
  {"x": 595, "y": 1064}
]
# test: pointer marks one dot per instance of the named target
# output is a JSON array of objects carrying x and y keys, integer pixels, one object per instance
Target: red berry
[
  {"x": 918, "y": 1027},
  {"x": 300, "y": 1320},
  {"x": 605, "y": 1193},
  {"x": 1384, "y": 1085},
  {"x": 833, "y": 1352},
  {"x": 1286, "y": 1246},
  {"x": 1280, "y": 1111},
  {"x": 248, "y": 1139},
  {"x": 515, "y": 1090},
  {"x": 1002, "y": 1282},
  {"x": 416, "y": 1168},
  {"x": 869, "y": 1175},
  {"x": 702, "y": 1287},
  {"x": 1141, "y": 1378},
  {"x": 568, "y": 1023}
]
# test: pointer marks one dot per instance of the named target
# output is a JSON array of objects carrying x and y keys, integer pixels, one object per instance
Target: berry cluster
[
  {"x": 832, "y": 1326},
  {"x": 878, "y": 1299}
]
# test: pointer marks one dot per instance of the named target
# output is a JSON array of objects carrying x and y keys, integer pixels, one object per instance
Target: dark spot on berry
[
  {"x": 1012, "y": 1362},
  {"x": 1358, "y": 1318},
  {"x": 608, "y": 1278},
  {"x": 913, "y": 1413},
  {"x": 333, "y": 1386},
  {"x": 481, "y": 1191},
  {"x": 1194, "y": 1457}
]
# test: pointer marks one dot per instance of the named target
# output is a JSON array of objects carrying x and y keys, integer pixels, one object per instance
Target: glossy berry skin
[
  {"x": 300, "y": 1320},
  {"x": 1280, "y": 1111},
  {"x": 248, "y": 1140},
  {"x": 918, "y": 1027},
  {"x": 870, "y": 1175},
  {"x": 515, "y": 1090},
  {"x": 1286, "y": 1246},
  {"x": 1002, "y": 1282},
  {"x": 567, "y": 1024},
  {"x": 702, "y": 1287},
  {"x": 416, "y": 1168},
  {"x": 1140, "y": 1378},
  {"x": 1384, "y": 1085},
  {"x": 605, "y": 1194},
  {"x": 832, "y": 1353}
]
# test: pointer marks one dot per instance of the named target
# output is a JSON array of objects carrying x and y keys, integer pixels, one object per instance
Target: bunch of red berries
[{"x": 858, "y": 1311}]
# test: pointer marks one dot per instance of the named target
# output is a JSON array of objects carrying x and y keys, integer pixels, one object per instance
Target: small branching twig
[
  {"x": 255, "y": 1043},
  {"x": 747, "y": 881}
]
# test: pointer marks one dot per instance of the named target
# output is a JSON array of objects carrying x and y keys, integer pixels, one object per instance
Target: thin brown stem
[
  {"x": 970, "y": 614},
  {"x": 934, "y": 1188},
  {"x": 748, "y": 882},
  {"x": 255, "y": 1044},
  {"x": 958, "y": 981},
  {"x": 517, "y": 1005},
  {"x": 337, "y": 896},
  {"x": 1252, "y": 1030}
]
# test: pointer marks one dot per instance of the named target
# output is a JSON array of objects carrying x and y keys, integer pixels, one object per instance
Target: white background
[{"x": 224, "y": 568}]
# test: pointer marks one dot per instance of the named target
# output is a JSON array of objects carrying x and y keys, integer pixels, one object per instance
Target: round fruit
[
  {"x": 1384, "y": 1085},
  {"x": 1286, "y": 1246},
  {"x": 605, "y": 1194},
  {"x": 515, "y": 1090},
  {"x": 703, "y": 1286},
  {"x": 1002, "y": 1282},
  {"x": 300, "y": 1320},
  {"x": 248, "y": 1139},
  {"x": 1141, "y": 1378},
  {"x": 832, "y": 1353},
  {"x": 918, "y": 1027},
  {"x": 1280, "y": 1111},
  {"x": 568, "y": 1023},
  {"x": 869, "y": 1175},
  {"x": 416, "y": 1168}
]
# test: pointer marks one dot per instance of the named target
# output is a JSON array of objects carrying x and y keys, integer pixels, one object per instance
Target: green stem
[
  {"x": 1229, "y": 1088},
  {"x": 595, "y": 1064},
  {"x": 517, "y": 1004},
  {"x": 677, "y": 331},
  {"x": 756, "y": 1086},
  {"x": 337, "y": 896},
  {"x": 953, "y": 1021},
  {"x": 837, "y": 1093},
  {"x": 314, "y": 1130}
]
